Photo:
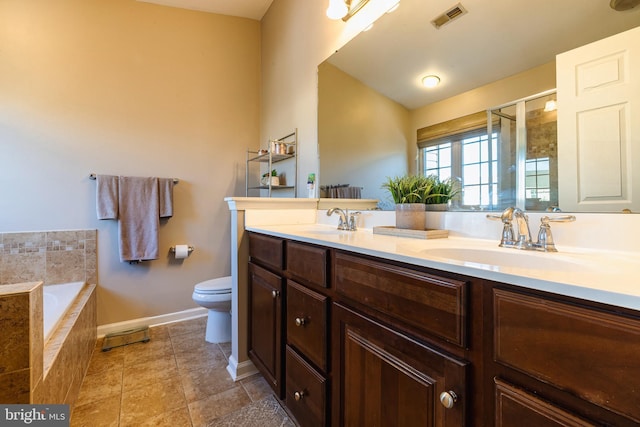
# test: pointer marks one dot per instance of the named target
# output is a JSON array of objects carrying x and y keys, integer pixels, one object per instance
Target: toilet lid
[{"x": 221, "y": 285}]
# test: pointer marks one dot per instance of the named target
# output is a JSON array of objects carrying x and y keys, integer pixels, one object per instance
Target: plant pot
[
  {"x": 275, "y": 180},
  {"x": 410, "y": 216},
  {"x": 437, "y": 206}
]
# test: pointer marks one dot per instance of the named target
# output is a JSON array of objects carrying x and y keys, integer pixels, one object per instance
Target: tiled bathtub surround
[
  {"x": 21, "y": 347},
  {"x": 30, "y": 371},
  {"x": 51, "y": 256},
  {"x": 67, "y": 353}
]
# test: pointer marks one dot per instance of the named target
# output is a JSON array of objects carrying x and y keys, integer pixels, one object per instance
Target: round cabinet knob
[
  {"x": 300, "y": 321},
  {"x": 448, "y": 398},
  {"x": 275, "y": 294},
  {"x": 298, "y": 395}
]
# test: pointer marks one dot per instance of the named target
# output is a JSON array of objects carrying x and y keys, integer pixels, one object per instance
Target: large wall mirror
[{"x": 492, "y": 57}]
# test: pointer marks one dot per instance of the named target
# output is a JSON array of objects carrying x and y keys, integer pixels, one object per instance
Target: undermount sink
[{"x": 508, "y": 258}]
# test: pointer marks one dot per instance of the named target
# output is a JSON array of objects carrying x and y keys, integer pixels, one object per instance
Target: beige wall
[
  {"x": 362, "y": 134},
  {"x": 127, "y": 88},
  {"x": 296, "y": 38}
]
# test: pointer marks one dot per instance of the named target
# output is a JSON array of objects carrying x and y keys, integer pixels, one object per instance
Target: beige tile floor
[{"x": 176, "y": 379}]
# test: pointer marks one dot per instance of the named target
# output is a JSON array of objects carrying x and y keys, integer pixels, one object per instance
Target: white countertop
[{"x": 602, "y": 276}]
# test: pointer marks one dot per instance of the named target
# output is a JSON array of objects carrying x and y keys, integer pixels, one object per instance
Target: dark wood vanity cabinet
[
  {"x": 266, "y": 314},
  {"x": 352, "y": 340},
  {"x": 579, "y": 361}
]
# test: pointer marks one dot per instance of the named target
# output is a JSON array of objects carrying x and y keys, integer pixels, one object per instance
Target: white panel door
[{"x": 599, "y": 125}]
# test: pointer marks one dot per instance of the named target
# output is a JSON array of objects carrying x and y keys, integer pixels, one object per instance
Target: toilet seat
[{"x": 217, "y": 286}]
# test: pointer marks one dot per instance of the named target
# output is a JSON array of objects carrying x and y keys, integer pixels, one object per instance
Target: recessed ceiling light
[{"x": 431, "y": 81}]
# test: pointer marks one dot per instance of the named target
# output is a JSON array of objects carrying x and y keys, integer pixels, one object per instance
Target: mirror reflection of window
[{"x": 520, "y": 158}]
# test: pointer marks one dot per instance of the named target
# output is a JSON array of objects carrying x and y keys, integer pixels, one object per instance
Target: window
[
  {"x": 471, "y": 157},
  {"x": 537, "y": 179}
]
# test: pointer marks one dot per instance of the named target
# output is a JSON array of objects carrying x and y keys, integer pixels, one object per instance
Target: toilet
[{"x": 215, "y": 295}]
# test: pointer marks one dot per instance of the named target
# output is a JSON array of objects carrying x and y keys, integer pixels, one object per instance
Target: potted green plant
[
  {"x": 410, "y": 194},
  {"x": 273, "y": 176},
  {"x": 442, "y": 191}
]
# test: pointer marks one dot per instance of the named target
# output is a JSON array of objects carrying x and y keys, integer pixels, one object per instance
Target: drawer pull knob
[
  {"x": 275, "y": 294},
  {"x": 300, "y": 321},
  {"x": 298, "y": 395},
  {"x": 448, "y": 398}
]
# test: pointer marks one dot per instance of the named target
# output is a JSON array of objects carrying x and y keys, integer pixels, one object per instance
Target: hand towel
[
  {"x": 107, "y": 196},
  {"x": 165, "y": 192},
  {"x": 139, "y": 218}
]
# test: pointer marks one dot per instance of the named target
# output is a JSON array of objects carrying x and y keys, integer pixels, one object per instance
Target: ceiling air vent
[{"x": 454, "y": 13}]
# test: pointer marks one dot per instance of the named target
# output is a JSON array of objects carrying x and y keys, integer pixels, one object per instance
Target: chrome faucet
[
  {"x": 522, "y": 240},
  {"x": 347, "y": 220}
]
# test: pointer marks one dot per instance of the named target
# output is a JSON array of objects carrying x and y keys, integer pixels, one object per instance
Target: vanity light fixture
[
  {"x": 431, "y": 81},
  {"x": 344, "y": 9},
  {"x": 337, "y": 9}
]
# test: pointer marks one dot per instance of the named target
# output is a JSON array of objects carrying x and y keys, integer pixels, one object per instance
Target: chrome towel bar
[{"x": 93, "y": 176}]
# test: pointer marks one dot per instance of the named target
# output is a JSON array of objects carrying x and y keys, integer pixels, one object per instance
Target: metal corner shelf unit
[{"x": 279, "y": 150}]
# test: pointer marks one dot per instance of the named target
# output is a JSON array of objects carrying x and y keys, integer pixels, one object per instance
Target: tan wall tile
[
  {"x": 15, "y": 387},
  {"x": 36, "y": 336},
  {"x": 65, "y": 266},
  {"x": 14, "y": 322},
  {"x": 23, "y": 267}
]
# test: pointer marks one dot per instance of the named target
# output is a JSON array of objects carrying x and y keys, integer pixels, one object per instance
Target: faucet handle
[
  {"x": 352, "y": 220},
  {"x": 565, "y": 218},
  {"x": 507, "y": 238},
  {"x": 545, "y": 238}
]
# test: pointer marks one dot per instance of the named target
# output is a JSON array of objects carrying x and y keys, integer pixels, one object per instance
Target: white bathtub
[{"x": 56, "y": 301}]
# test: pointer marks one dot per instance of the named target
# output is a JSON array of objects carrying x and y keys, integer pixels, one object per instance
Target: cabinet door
[
  {"x": 384, "y": 378},
  {"x": 265, "y": 324}
]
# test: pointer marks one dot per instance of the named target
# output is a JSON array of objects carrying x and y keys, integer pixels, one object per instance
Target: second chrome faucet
[
  {"x": 347, "y": 219},
  {"x": 522, "y": 240}
]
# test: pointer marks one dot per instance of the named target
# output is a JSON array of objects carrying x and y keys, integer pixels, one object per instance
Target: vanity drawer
[
  {"x": 306, "y": 395},
  {"x": 586, "y": 352},
  {"x": 307, "y": 264},
  {"x": 517, "y": 407},
  {"x": 430, "y": 304},
  {"x": 266, "y": 250},
  {"x": 307, "y": 323}
]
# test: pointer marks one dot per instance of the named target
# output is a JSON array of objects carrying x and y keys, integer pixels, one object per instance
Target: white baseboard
[
  {"x": 163, "y": 319},
  {"x": 240, "y": 370}
]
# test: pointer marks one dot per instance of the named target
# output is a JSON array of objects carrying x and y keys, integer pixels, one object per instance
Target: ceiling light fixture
[
  {"x": 344, "y": 9},
  {"x": 431, "y": 81},
  {"x": 550, "y": 105}
]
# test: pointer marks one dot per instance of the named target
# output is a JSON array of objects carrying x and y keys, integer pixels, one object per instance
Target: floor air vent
[{"x": 454, "y": 13}]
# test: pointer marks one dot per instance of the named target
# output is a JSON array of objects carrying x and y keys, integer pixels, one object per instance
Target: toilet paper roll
[{"x": 182, "y": 251}]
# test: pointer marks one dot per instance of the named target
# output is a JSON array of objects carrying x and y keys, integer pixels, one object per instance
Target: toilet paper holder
[{"x": 172, "y": 249}]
